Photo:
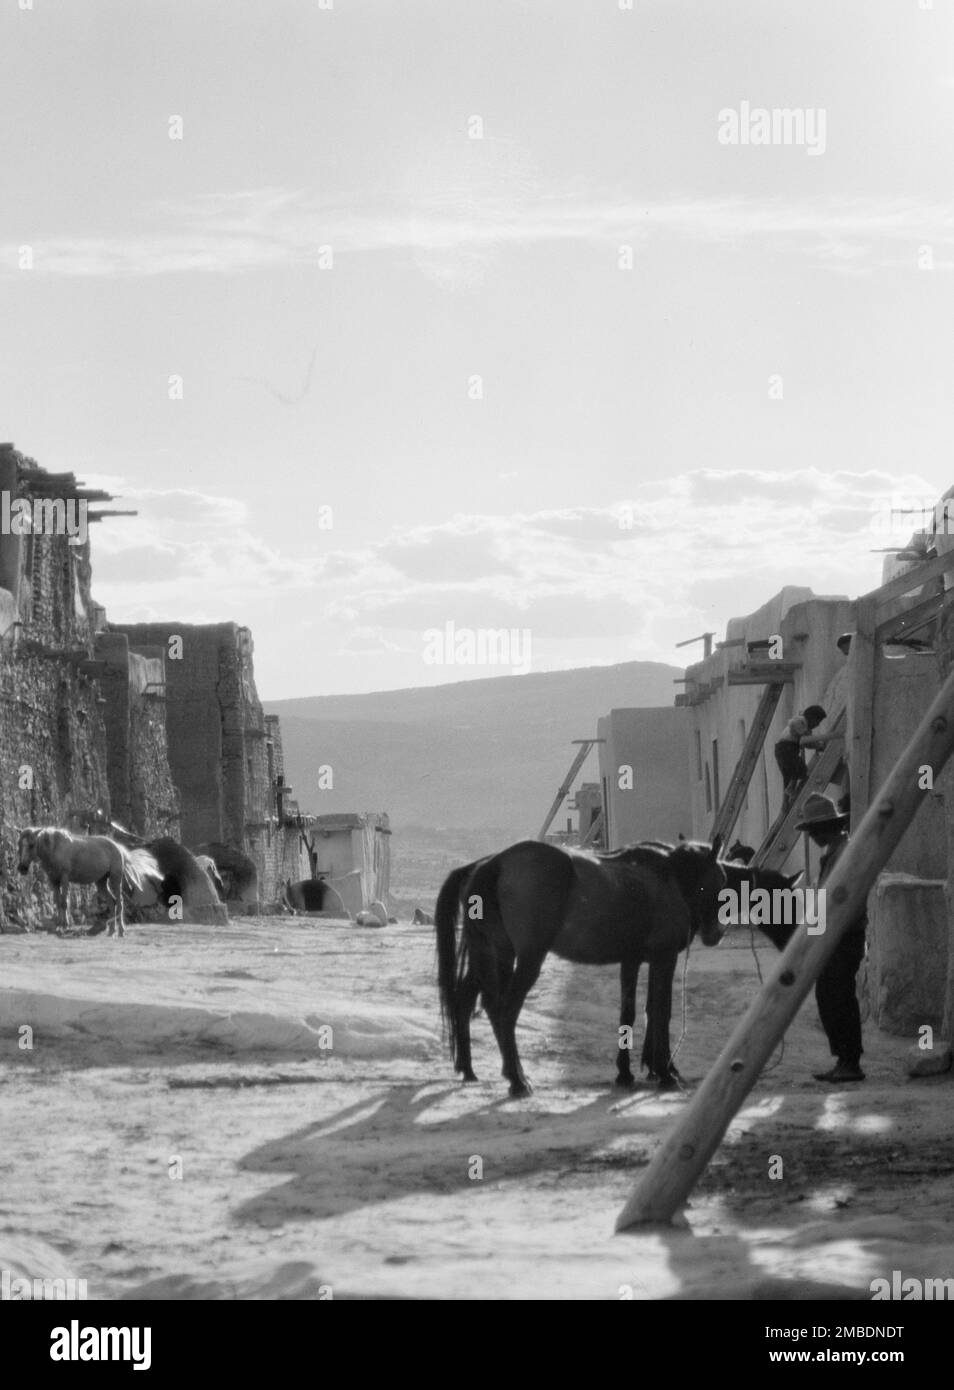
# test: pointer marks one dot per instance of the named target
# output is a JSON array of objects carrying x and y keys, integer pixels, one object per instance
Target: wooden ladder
[
  {"x": 731, "y": 808},
  {"x": 586, "y": 745},
  {"x": 594, "y": 833},
  {"x": 783, "y": 837}
]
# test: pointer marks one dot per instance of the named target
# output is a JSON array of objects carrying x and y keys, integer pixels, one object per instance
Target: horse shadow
[
  {"x": 385, "y": 1148},
  {"x": 395, "y": 1146}
]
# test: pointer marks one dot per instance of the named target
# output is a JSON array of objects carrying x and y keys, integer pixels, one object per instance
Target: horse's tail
[
  {"x": 451, "y": 958},
  {"x": 138, "y": 866}
]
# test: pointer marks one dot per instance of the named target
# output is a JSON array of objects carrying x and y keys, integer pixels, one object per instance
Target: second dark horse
[{"x": 644, "y": 903}]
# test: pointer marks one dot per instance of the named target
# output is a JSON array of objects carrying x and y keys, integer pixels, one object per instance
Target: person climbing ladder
[{"x": 798, "y": 735}]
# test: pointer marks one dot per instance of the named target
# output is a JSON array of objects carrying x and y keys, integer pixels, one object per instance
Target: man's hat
[{"x": 821, "y": 810}]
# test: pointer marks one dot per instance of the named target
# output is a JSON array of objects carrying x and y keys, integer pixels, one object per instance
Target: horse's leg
[
  {"x": 116, "y": 888},
  {"x": 524, "y": 977},
  {"x": 106, "y": 893},
  {"x": 108, "y": 899},
  {"x": 490, "y": 969},
  {"x": 628, "y": 976},
  {"x": 656, "y": 1055},
  {"x": 466, "y": 999},
  {"x": 63, "y": 896},
  {"x": 647, "y": 1058}
]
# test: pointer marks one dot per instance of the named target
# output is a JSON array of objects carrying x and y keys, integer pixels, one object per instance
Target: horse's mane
[
  {"x": 685, "y": 862},
  {"x": 651, "y": 854},
  {"x": 37, "y": 830},
  {"x": 61, "y": 830}
]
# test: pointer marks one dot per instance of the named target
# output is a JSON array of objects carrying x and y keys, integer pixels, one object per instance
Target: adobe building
[
  {"x": 142, "y": 794},
  {"x": 68, "y": 736},
  {"x": 225, "y": 756},
  {"x": 588, "y": 804},
  {"x": 721, "y": 711},
  {"x": 642, "y": 762},
  {"x": 901, "y": 650},
  {"x": 354, "y": 852},
  {"x": 109, "y": 722}
]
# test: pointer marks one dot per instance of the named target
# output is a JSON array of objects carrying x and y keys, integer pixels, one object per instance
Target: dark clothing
[
  {"x": 791, "y": 761},
  {"x": 835, "y": 991},
  {"x": 837, "y": 998}
]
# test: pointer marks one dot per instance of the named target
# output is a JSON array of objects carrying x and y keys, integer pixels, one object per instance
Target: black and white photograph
[{"x": 477, "y": 666}]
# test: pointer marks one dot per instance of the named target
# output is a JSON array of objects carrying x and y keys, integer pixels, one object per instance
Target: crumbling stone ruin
[
  {"x": 157, "y": 727},
  {"x": 226, "y": 758}
]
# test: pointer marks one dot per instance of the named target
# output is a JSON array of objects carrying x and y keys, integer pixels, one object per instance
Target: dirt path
[{"x": 362, "y": 1168}]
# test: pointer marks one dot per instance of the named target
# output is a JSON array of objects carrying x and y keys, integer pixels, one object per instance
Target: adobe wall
[
  {"x": 655, "y": 744},
  {"x": 810, "y": 628},
  {"x": 909, "y": 935},
  {"x": 195, "y": 682},
  {"x": 51, "y": 723},
  {"x": 108, "y": 725},
  {"x": 223, "y": 755},
  {"x": 142, "y": 793},
  {"x": 909, "y": 975},
  {"x": 153, "y": 799},
  {"x": 284, "y": 855}
]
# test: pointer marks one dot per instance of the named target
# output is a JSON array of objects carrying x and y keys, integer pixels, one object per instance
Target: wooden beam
[
  {"x": 687, "y": 1149},
  {"x": 783, "y": 837},
  {"x": 908, "y": 620},
  {"x": 769, "y": 673},
  {"x": 731, "y": 808},
  {"x": 580, "y": 757},
  {"x": 705, "y": 638},
  {"x": 861, "y": 678},
  {"x": 913, "y": 579}
]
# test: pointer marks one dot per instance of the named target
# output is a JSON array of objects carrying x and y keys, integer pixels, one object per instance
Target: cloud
[
  {"x": 571, "y": 576},
  {"x": 190, "y": 552},
  {"x": 454, "y": 225}
]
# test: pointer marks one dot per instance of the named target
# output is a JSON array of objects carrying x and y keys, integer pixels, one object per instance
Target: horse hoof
[
  {"x": 468, "y": 1076},
  {"x": 671, "y": 1080},
  {"x": 627, "y": 1080},
  {"x": 519, "y": 1089}
]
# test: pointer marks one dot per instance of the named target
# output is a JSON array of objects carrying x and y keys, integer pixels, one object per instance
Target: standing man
[
  {"x": 798, "y": 735},
  {"x": 835, "y": 988}
]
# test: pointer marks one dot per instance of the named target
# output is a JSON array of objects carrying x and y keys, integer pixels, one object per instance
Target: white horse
[{"x": 95, "y": 859}]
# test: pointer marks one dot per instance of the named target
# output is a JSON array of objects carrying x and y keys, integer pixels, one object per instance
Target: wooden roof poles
[{"x": 683, "y": 1155}]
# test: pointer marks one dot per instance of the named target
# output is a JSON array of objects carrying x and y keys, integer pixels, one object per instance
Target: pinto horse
[
  {"x": 95, "y": 859},
  {"x": 644, "y": 903}
]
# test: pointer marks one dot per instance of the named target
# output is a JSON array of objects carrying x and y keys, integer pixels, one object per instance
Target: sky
[{"x": 464, "y": 314}]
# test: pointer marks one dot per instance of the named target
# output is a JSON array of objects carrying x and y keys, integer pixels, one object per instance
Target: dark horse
[
  {"x": 644, "y": 903},
  {"x": 778, "y": 932}
]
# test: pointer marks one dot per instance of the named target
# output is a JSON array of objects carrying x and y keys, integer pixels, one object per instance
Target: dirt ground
[{"x": 364, "y": 1169}]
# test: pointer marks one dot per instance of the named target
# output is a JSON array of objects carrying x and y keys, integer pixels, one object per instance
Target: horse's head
[
  {"x": 701, "y": 878},
  {"x": 26, "y": 849}
]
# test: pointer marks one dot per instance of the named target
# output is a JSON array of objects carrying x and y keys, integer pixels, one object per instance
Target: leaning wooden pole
[{"x": 684, "y": 1154}]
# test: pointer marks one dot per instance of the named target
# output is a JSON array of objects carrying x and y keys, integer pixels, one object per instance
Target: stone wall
[
  {"x": 224, "y": 757},
  {"x": 104, "y": 722},
  {"x": 53, "y": 749},
  {"x": 142, "y": 793},
  {"x": 285, "y": 850}
]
